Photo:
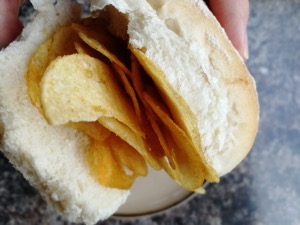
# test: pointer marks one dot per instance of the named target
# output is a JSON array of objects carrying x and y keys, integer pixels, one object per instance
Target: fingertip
[
  {"x": 233, "y": 16},
  {"x": 10, "y": 25},
  {"x": 245, "y": 52}
]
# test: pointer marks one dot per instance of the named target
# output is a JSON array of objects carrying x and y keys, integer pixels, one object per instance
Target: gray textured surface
[{"x": 265, "y": 188}]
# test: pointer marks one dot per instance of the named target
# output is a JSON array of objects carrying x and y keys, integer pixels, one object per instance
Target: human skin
[
  {"x": 10, "y": 25},
  {"x": 232, "y": 14}
]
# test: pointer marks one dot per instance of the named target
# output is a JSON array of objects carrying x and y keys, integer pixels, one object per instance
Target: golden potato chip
[
  {"x": 78, "y": 88},
  {"x": 160, "y": 132},
  {"x": 35, "y": 72},
  {"x": 60, "y": 44},
  {"x": 156, "y": 122},
  {"x": 104, "y": 43},
  {"x": 136, "y": 76},
  {"x": 80, "y": 49},
  {"x": 127, "y": 156},
  {"x": 152, "y": 139},
  {"x": 63, "y": 42},
  {"x": 92, "y": 129},
  {"x": 161, "y": 149},
  {"x": 189, "y": 170},
  {"x": 105, "y": 168},
  {"x": 126, "y": 134},
  {"x": 130, "y": 91},
  {"x": 71, "y": 90}
]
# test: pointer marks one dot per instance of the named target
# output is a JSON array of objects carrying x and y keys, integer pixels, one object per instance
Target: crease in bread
[{"x": 205, "y": 70}]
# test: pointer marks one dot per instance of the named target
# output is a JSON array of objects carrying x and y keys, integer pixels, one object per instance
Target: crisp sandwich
[{"x": 85, "y": 78}]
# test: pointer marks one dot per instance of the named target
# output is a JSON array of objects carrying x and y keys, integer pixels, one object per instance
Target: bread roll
[{"x": 185, "y": 41}]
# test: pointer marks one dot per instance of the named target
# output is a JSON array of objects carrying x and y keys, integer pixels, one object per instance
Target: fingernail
[{"x": 246, "y": 47}]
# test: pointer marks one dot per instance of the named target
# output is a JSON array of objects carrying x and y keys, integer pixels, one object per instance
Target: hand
[
  {"x": 10, "y": 25},
  {"x": 233, "y": 16}
]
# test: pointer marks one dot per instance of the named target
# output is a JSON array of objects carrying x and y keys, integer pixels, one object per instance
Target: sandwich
[{"x": 88, "y": 103}]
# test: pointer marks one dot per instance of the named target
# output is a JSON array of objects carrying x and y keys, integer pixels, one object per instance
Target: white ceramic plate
[{"x": 152, "y": 195}]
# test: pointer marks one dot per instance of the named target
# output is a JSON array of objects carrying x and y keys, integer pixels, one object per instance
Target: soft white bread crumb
[
  {"x": 184, "y": 39},
  {"x": 50, "y": 158}
]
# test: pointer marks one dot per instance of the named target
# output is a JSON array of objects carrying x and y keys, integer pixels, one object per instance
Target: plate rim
[{"x": 163, "y": 210}]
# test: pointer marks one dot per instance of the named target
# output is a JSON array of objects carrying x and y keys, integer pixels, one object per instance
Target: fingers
[
  {"x": 10, "y": 25},
  {"x": 233, "y": 16}
]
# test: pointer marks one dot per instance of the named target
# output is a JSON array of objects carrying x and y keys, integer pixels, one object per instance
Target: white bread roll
[{"x": 185, "y": 41}]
